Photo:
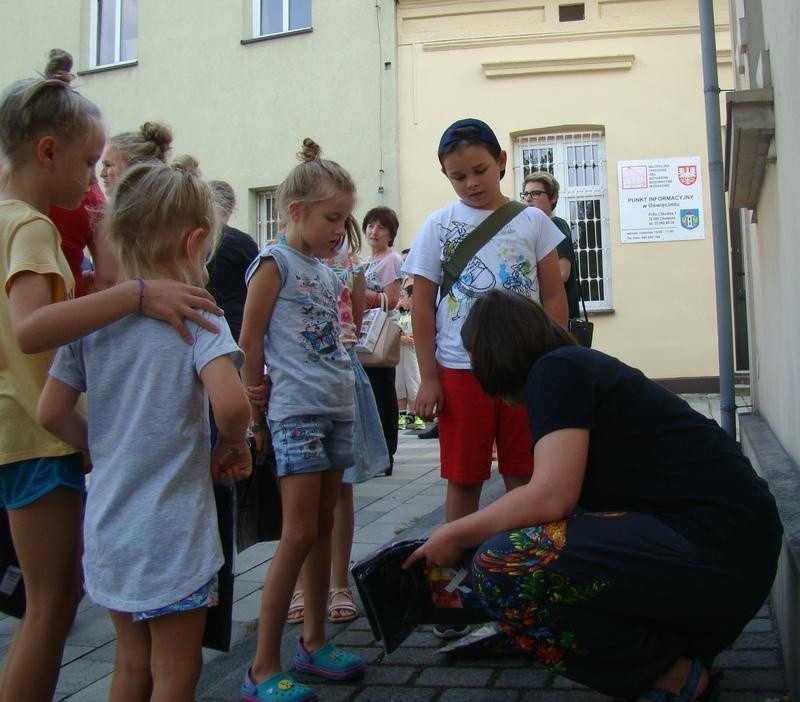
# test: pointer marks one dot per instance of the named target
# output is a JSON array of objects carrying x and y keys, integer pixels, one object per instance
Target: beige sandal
[
  {"x": 341, "y": 607},
  {"x": 297, "y": 608}
]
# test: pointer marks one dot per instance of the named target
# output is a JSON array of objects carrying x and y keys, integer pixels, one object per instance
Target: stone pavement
[{"x": 405, "y": 505}]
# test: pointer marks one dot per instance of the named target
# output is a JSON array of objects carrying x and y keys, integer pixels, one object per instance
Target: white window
[
  {"x": 577, "y": 161},
  {"x": 280, "y": 16},
  {"x": 267, "y": 220},
  {"x": 114, "y": 31}
]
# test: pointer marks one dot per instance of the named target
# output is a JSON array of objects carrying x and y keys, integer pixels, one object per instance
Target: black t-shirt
[
  {"x": 235, "y": 252},
  {"x": 649, "y": 451}
]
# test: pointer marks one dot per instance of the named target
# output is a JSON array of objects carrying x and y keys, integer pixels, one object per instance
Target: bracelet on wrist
[
  {"x": 257, "y": 426},
  {"x": 141, "y": 293}
]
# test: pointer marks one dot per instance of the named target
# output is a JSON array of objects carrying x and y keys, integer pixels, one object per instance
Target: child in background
[
  {"x": 152, "y": 142},
  {"x": 521, "y": 257},
  {"x": 51, "y": 138},
  {"x": 407, "y": 377},
  {"x": 291, "y": 321},
  {"x": 150, "y": 528}
]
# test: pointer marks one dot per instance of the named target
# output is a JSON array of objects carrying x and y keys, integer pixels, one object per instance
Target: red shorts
[{"x": 470, "y": 424}]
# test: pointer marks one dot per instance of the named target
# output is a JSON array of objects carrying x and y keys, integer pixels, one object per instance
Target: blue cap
[{"x": 469, "y": 129}]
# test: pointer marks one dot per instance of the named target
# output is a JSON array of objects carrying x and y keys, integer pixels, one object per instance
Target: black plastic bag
[
  {"x": 397, "y": 601},
  {"x": 12, "y": 588},
  {"x": 219, "y": 621},
  {"x": 258, "y": 504}
]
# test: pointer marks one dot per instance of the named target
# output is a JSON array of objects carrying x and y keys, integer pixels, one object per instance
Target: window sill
[
  {"x": 267, "y": 37},
  {"x": 109, "y": 67}
]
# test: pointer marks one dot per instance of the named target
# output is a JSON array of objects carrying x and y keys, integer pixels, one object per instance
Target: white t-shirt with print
[{"x": 507, "y": 261}]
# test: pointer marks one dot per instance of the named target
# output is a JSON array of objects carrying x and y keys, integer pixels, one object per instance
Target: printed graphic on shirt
[{"x": 318, "y": 333}]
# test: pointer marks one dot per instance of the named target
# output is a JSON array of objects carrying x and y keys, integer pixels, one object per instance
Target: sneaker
[
  {"x": 329, "y": 662},
  {"x": 402, "y": 421},
  {"x": 419, "y": 424},
  {"x": 279, "y": 688},
  {"x": 432, "y": 433},
  {"x": 450, "y": 632}
]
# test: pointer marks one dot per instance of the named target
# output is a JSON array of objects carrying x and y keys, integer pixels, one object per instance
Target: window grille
[
  {"x": 577, "y": 161},
  {"x": 267, "y": 220},
  {"x": 114, "y": 31},
  {"x": 280, "y": 16}
]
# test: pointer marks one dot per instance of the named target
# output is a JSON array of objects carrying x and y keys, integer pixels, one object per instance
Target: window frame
[
  {"x": 558, "y": 142},
  {"x": 94, "y": 35},
  {"x": 267, "y": 228},
  {"x": 258, "y": 21}
]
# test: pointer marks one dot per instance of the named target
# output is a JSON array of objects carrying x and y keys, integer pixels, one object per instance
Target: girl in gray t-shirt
[
  {"x": 291, "y": 324},
  {"x": 152, "y": 548}
]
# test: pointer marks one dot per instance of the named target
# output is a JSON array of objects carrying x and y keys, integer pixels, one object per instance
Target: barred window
[
  {"x": 267, "y": 219},
  {"x": 577, "y": 161}
]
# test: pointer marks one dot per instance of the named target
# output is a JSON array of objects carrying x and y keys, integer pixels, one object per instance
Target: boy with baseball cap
[{"x": 522, "y": 258}]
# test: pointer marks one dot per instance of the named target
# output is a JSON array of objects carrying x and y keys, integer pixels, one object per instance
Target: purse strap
[{"x": 474, "y": 241}]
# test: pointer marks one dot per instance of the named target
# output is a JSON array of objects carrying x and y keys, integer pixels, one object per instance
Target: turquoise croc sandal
[
  {"x": 279, "y": 688},
  {"x": 329, "y": 662}
]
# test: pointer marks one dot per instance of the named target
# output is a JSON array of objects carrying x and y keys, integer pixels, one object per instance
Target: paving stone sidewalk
[{"x": 405, "y": 505}]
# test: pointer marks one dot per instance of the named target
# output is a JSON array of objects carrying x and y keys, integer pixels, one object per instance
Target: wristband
[
  {"x": 257, "y": 426},
  {"x": 141, "y": 293}
]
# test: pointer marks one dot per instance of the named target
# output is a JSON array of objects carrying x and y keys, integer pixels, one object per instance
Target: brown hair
[
  {"x": 152, "y": 209},
  {"x": 314, "y": 179},
  {"x": 550, "y": 184},
  {"x": 152, "y": 142},
  {"x": 34, "y": 107},
  {"x": 504, "y": 334},
  {"x": 385, "y": 216}
]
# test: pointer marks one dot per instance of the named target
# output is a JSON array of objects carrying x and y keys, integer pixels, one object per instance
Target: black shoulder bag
[
  {"x": 582, "y": 329},
  {"x": 474, "y": 241}
]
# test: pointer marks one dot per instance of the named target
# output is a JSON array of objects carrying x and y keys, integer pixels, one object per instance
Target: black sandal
[{"x": 689, "y": 688}]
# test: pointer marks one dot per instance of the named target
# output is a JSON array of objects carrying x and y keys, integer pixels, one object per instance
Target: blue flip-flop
[{"x": 689, "y": 689}]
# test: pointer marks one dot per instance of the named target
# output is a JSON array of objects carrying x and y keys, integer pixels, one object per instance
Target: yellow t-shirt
[{"x": 29, "y": 242}]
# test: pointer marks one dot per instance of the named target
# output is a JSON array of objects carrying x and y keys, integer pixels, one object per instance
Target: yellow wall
[
  {"x": 633, "y": 67},
  {"x": 241, "y": 110}
]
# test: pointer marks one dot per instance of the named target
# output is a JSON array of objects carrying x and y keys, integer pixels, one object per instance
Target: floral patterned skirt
[{"x": 612, "y": 599}]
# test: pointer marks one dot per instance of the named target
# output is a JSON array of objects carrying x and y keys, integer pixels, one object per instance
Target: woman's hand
[
  {"x": 175, "y": 302},
  {"x": 440, "y": 549}
]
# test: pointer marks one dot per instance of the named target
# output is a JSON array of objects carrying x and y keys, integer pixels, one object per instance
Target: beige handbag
[{"x": 379, "y": 342}]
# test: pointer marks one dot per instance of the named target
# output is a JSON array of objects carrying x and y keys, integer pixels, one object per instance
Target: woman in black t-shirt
[{"x": 644, "y": 541}]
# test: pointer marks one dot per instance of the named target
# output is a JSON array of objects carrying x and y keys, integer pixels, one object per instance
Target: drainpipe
[{"x": 719, "y": 219}]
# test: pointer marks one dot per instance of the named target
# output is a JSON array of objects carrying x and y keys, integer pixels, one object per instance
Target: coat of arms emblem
[{"x": 687, "y": 175}]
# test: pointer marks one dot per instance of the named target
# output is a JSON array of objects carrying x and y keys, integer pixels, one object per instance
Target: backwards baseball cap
[{"x": 469, "y": 129}]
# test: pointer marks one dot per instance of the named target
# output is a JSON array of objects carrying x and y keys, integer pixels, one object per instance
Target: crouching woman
[{"x": 644, "y": 541}]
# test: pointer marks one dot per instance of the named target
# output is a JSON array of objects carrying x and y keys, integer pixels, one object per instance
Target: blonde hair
[
  {"x": 31, "y": 108},
  {"x": 152, "y": 209},
  {"x": 152, "y": 142},
  {"x": 314, "y": 179}
]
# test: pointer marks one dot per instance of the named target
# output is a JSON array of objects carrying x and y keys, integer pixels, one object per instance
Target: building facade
[
  {"x": 608, "y": 96},
  {"x": 763, "y": 177},
  {"x": 240, "y": 82}
]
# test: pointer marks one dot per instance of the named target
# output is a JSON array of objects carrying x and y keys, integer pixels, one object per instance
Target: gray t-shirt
[
  {"x": 310, "y": 370},
  {"x": 150, "y": 529}
]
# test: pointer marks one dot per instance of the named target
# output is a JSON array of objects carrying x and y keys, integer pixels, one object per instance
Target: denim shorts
[
  {"x": 206, "y": 596},
  {"x": 24, "y": 482},
  {"x": 311, "y": 444}
]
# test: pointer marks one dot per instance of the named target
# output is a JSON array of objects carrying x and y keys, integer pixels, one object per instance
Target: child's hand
[
  {"x": 230, "y": 462},
  {"x": 258, "y": 395},
  {"x": 176, "y": 302}
]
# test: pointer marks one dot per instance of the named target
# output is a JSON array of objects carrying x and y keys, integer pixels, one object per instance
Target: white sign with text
[{"x": 660, "y": 200}]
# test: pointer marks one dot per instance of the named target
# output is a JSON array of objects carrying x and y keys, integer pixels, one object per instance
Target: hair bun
[
  {"x": 159, "y": 134},
  {"x": 186, "y": 164},
  {"x": 311, "y": 151},
  {"x": 59, "y": 66}
]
